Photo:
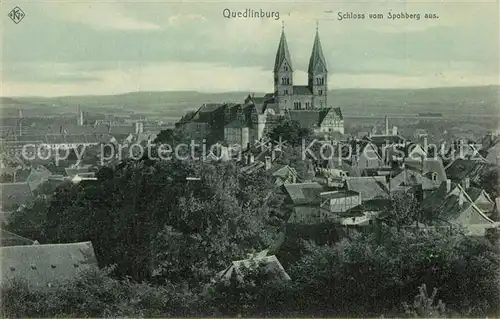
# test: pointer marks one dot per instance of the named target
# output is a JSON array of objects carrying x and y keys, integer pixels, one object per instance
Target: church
[
  {"x": 249, "y": 121},
  {"x": 289, "y": 96}
]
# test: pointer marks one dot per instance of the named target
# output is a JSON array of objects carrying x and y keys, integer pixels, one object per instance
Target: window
[
  {"x": 320, "y": 92},
  {"x": 286, "y": 92},
  {"x": 434, "y": 176},
  {"x": 297, "y": 105},
  {"x": 285, "y": 67}
]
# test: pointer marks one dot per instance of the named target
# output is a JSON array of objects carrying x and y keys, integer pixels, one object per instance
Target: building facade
[{"x": 300, "y": 97}]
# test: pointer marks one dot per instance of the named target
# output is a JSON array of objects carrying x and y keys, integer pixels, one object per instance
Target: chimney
[
  {"x": 273, "y": 155},
  {"x": 20, "y": 113},
  {"x": 394, "y": 130},
  {"x": 448, "y": 186},
  {"x": 252, "y": 158},
  {"x": 460, "y": 200},
  {"x": 386, "y": 125},
  {"x": 268, "y": 163},
  {"x": 247, "y": 159},
  {"x": 466, "y": 183},
  {"x": 80, "y": 117},
  {"x": 139, "y": 127}
]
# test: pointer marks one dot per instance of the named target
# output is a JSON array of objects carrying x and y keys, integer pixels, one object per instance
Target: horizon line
[{"x": 247, "y": 91}]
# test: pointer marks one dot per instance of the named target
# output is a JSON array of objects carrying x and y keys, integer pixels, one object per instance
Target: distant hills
[{"x": 451, "y": 100}]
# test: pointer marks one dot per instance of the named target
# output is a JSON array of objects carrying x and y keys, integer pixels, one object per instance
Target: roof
[
  {"x": 42, "y": 266},
  {"x": 462, "y": 168},
  {"x": 38, "y": 175},
  {"x": 10, "y": 239},
  {"x": 306, "y": 118},
  {"x": 428, "y": 166},
  {"x": 317, "y": 58},
  {"x": 283, "y": 171},
  {"x": 372, "y": 187},
  {"x": 381, "y": 140},
  {"x": 270, "y": 265},
  {"x": 283, "y": 54},
  {"x": 72, "y": 171},
  {"x": 237, "y": 123},
  {"x": 487, "y": 205},
  {"x": 15, "y": 194},
  {"x": 438, "y": 196},
  {"x": 301, "y": 90},
  {"x": 304, "y": 193},
  {"x": 451, "y": 210}
]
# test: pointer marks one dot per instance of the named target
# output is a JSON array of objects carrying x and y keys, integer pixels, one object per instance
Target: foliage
[
  {"x": 490, "y": 182},
  {"x": 294, "y": 158},
  {"x": 95, "y": 294},
  {"x": 423, "y": 305},
  {"x": 151, "y": 222},
  {"x": 403, "y": 210},
  {"x": 381, "y": 273},
  {"x": 30, "y": 221},
  {"x": 290, "y": 131}
]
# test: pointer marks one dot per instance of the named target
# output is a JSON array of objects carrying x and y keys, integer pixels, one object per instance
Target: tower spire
[
  {"x": 283, "y": 54},
  {"x": 317, "y": 56}
]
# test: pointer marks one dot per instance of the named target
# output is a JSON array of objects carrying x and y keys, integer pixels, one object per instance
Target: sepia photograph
[{"x": 213, "y": 159}]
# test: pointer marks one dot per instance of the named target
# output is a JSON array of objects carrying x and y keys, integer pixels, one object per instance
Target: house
[
  {"x": 490, "y": 148},
  {"x": 369, "y": 188},
  {"x": 80, "y": 177},
  {"x": 304, "y": 200},
  {"x": 14, "y": 195},
  {"x": 323, "y": 121},
  {"x": 462, "y": 150},
  {"x": 38, "y": 175},
  {"x": 271, "y": 267},
  {"x": 75, "y": 170},
  {"x": 451, "y": 205},
  {"x": 396, "y": 153},
  {"x": 45, "y": 266},
  {"x": 428, "y": 173},
  {"x": 459, "y": 169},
  {"x": 284, "y": 174},
  {"x": 340, "y": 201}
]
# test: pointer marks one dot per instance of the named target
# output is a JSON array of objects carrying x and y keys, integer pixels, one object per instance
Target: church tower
[
  {"x": 283, "y": 74},
  {"x": 318, "y": 74}
]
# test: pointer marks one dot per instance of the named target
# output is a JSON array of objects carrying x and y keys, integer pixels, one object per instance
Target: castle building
[
  {"x": 300, "y": 97},
  {"x": 250, "y": 121}
]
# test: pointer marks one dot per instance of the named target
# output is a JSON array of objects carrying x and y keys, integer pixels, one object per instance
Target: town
[{"x": 320, "y": 211}]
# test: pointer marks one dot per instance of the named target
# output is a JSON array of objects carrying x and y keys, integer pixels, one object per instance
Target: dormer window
[{"x": 434, "y": 176}]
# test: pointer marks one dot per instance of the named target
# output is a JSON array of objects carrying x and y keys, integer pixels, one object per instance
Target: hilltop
[{"x": 457, "y": 100}]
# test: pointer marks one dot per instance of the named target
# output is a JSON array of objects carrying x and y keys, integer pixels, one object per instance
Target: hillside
[{"x": 454, "y": 100}]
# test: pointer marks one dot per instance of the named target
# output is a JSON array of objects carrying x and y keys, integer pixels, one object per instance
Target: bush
[{"x": 95, "y": 294}]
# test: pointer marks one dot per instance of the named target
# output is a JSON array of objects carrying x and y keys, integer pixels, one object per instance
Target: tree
[
  {"x": 403, "y": 210},
  {"x": 135, "y": 215},
  {"x": 382, "y": 274},
  {"x": 290, "y": 131},
  {"x": 490, "y": 182}
]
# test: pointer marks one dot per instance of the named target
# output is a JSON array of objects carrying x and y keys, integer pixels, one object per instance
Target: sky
[{"x": 108, "y": 47}]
